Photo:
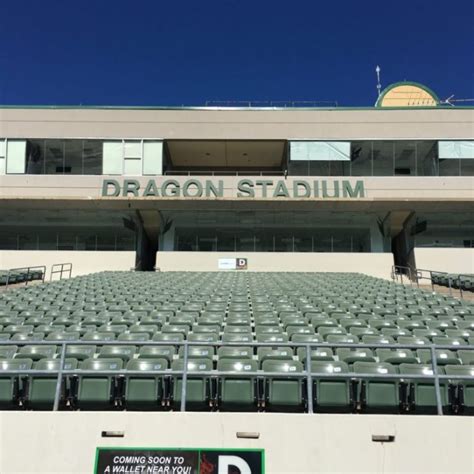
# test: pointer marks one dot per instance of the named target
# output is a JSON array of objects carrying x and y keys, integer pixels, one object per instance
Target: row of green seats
[{"x": 241, "y": 388}]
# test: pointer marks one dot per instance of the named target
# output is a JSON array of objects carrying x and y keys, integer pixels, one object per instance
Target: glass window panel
[
  {"x": 361, "y": 158},
  {"x": 322, "y": 241},
  {"x": 245, "y": 241},
  {"x": 450, "y": 167},
  {"x": 106, "y": 240},
  {"x": 54, "y": 156},
  {"x": 341, "y": 241},
  {"x": 360, "y": 240},
  {"x": 132, "y": 167},
  {"x": 467, "y": 167},
  {"x": 125, "y": 241},
  {"x": 92, "y": 150},
  {"x": 16, "y": 156},
  {"x": 67, "y": 240},
  {"x": 152, "y": 158},
  {"x": 8, "y": 241},
  {"x": 427, "y": 158},
  {"x": 2, "y": 148},
  {"x": 456, "y": 149},
  {"x": 383, "y": 154},
  {"x": 319, "y": 150},
  {"x": 283, "y": 241},
  {"x": 298, "y": 168},
  {"x": 28, "y": 241},
  {"x": 35, "y": 157},
  {"x": 303, "y": 241},
  {"x": 207, "y": 242},
  {"x": 225, "y": 240},
  {"x": 113, "y": 157},
  {"x": 319, "y": 168},
  {"x": 405, "y": 158},
  {"x": 265, "y": 241},
  {"x": 186, "y": 240},
  {"x": 48, "y": 239},
  {"x": 73, "y": 157},
  {"x": 132, "y": 149}
]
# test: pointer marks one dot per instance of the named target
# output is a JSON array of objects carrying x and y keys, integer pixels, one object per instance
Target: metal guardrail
[
  {"x": 61, "y": 268},
  {"x": 306, "y": 374},
  {"x": 29, "y": 271}
]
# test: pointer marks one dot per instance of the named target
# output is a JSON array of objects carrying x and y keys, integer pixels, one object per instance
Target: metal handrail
[
  {"x": 186, "y": 344},
  {"x": 61, "y": 268},
  {"x": 28, "y": 271},
  {"x": 457, "y": 277},
  {"x": 412, "y": 274}
]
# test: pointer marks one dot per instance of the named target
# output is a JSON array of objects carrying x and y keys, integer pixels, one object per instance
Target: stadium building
[{"x": 253, "y": 193}]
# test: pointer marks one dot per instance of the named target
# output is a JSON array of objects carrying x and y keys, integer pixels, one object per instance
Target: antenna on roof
[{"x": 379, "y": 86}]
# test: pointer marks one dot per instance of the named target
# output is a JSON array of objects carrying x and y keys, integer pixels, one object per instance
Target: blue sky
[{"x": 187, "y": 52}]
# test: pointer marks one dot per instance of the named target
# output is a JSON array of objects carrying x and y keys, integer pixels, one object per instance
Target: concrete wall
[
  {"x": 375, "y": 264},
  {"x": 243, "y": 124},
  {"x": 452, "y": 260},
  {"x": 35, "y": 442},
  {"x": 83, "y": 262}
]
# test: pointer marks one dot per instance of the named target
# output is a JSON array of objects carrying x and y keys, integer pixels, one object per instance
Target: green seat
[
  {"x": 59, "y": 336},
  {"x": 168, "y": 337},
  {"x": 378, "y": 395},
  {"x": 12, "y": 385},
  {"x": 443, "y": 357},
  {"x": 279, "y": 353},
  {"x": 276, "y": 338},
  {"x": 464, "y": 388},
  {"x": 8, "y": 352},
  {"x": 319, "y": 353},
  {"x": 98, "y": 336},
  {"x": 198, "y": 352},
  {"x": 421, "y": 393},
  {"x": 198, "y": 387},
  {"x": 342, "y": 339},
  {"x": 203, "y": 337},
  {"x": 145, "y": 392},
  {"x": 396, "y": 356},
  {"x": 351, "y": 355},
  {"x": 239, "y": 390},
  {"x": 239, "y": 338},
  {"x": 42, "y": 390},
  {"x": 98, "y": 391},
  {"x": 283, "y": 392},
  {"x": 36, "y": 352},
  {"x": 134, "y": 336},
  {"x": 332, "y": 394},
  {"x": 150, "y": 329},
  {"x": 466, "y": 356},
  {"x": 80, "y": 352},
  {"x": 234, "y": 352},
  {"x": 157, "y": 352},
  {"x": 121, "y": 352}
]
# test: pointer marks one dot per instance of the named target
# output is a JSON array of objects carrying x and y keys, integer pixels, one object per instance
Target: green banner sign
[{"x": 246, "y": 188}]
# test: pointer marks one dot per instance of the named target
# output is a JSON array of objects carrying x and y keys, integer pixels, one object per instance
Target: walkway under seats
[{"x": 372, "y": 345}]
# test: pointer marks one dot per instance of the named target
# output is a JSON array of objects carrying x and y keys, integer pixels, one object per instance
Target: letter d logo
[{"x": 227, "y": 461}]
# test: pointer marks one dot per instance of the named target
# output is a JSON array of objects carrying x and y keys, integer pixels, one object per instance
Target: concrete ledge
[
  {"x": 374, "y": 264},
  {"x": 451, "y": 260}
]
